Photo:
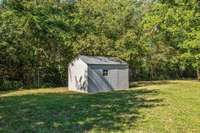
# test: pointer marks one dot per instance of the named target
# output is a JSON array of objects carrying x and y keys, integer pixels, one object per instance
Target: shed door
[
  {"x": 99, "y": 80},
  {"x": 105, "y": 79},
  {"x": 112, "y": 78},
  {"x": 117, "y": 78}
]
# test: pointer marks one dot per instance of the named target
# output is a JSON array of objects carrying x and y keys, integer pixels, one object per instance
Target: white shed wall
[
  {"x": 117, "y": 78},
  {"x": 77, "y": 76},
  {"x": 123, "y": 79}
]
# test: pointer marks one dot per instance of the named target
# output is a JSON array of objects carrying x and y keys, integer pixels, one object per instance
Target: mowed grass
[{"x": 151, "y": 107}]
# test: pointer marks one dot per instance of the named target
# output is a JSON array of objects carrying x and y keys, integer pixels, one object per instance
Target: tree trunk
[
  {"x": 198, "y": 74},
  {"x": 151, "y": 72}
]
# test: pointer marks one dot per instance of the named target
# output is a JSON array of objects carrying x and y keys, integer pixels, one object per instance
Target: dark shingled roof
[{"x": 101, "y": 60}]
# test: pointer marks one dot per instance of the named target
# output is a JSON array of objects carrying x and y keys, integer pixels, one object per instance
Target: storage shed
[{"x": 91, "y": 74}]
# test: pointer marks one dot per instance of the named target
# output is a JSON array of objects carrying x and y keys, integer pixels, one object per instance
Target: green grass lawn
[{"x": 151, "y": 107}]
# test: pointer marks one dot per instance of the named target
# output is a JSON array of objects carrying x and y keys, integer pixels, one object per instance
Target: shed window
[{"x": 105, "y": 72}]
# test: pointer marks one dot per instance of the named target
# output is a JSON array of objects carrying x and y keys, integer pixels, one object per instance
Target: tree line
[{"x": 38, "y": 38}]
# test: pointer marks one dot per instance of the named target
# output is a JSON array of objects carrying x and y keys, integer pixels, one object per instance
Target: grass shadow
[{"x": 113, "y": 111}]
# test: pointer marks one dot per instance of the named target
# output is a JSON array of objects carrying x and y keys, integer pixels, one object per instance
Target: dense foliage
[{"x": 159, "y": 39}]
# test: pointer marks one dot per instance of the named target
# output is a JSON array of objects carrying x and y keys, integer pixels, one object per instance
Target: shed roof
[{"x": 101, "y": 60}]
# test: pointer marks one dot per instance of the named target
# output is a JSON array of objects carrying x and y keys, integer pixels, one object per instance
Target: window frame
[{"x": 105, "y": 72}]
